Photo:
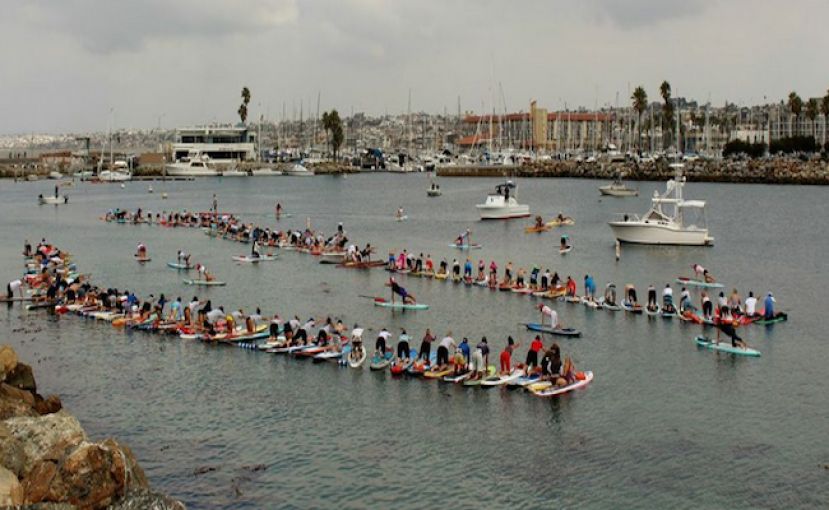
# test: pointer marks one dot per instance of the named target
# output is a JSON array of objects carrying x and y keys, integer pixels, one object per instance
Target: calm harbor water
[{"x": 663, "y": 425}]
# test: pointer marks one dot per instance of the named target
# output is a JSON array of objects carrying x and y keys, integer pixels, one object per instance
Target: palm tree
[
  {"x": 640, "y": 103},
  {"x": 795, "y": 105},
  {"x": 667, "y": 113},
  {"x": 811, "y": 114},
  {"x": 824, "y": 109},
  {"x": 243, "y": 108}
]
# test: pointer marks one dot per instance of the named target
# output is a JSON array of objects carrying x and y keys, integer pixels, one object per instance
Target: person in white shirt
[
  {"x": 549, "y": 312},
  {"x": 447, "y": 344},
  {"x": 382, "y": 341},
  {"x": 751, "y": 305},
  {"x": 14, "y": 286}
]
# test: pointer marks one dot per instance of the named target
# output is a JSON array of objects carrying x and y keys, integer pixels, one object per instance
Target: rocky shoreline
[
  {"x": 769, "y": 171},
  {"x": 48, "y": 462}
]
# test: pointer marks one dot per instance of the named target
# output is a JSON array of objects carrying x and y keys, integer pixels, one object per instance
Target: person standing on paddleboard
[
  {"x": 505, "y": 358},
  {"x": 729, "y": 327},
  {"x": 443, "y": 351},
  {"x": 532, "y": 354},
  {"x": 552, "y": 314},
  {"x": 426, "y": 346},
  {"x": 396, "y": 289}
]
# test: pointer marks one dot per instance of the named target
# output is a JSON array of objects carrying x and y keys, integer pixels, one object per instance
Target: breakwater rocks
[
  {"x": 48, "y": 462},
  {"x": 766, "y": 171}
]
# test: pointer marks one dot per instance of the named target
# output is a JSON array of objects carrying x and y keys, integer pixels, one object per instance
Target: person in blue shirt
[
  {"x": 176, "y": 310},
  {"x": 464, "y": 348},
  {"x": 589, "y": 287},
  {"x": 768, "y": 309},
  {"x": 467, "y": 269}
]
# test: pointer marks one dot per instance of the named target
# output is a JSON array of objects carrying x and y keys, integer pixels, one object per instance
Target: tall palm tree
[
  {"x": 640, "y": 103},
  {"x": 824, "y": 109},
  {"x": 811, "y": 114},
  {"x": 667, "y": 113},
  {"x": 243, "y": 108},
  {"x": 795, "y": 105}
]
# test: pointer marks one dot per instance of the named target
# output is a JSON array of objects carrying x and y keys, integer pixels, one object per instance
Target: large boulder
[
  {"x": 8, "y": 360},
  {"x": 90, "y": 476},
  {"x": 11, "y": 451},
  {"x": 46, "y": 437},
  {"x": 21, "y": 377},
  {"x": 15, "y": 403},
  {"x": 11, "y": 493}
]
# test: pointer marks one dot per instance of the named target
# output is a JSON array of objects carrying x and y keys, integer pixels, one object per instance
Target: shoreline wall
[
  {"x": 48, "y": 462},
  {"x": 771, "y": 171}
]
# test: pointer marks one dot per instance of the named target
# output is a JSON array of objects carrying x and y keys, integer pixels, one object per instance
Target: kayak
[
  {"x": 534, "y": 326},
  {"x": 698, "y": 283},
  {"x": 583, "y": 379},
  {"x": 380, "y": 362},
  {"x": 473, "y": 246},
  {"x": 253, "y": 260},
  {"x": 399, "y": 306},
  {"x": 205, "y": 282},
  {"x": 176, "y": 265},
  {"x": 726, "y": 347},
  {"x": 561, "y": 223}
]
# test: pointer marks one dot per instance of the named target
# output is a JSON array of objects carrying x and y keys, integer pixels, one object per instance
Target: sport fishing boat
[
  {"x": 670, "y": 220},
  {"x": 434, "y": 190},
  {"x": 618, "y": 189},
  {"x": 502, "y": 205}
]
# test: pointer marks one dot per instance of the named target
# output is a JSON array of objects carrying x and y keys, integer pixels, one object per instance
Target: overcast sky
[{"x": 66, "y": 63}]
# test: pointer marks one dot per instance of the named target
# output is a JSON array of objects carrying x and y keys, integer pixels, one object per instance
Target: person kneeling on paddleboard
[
  {"x": 356, "y": 342},
  {"x": 396, "y": 289},
  {"x": 403, "y": 346},
  {"x": 729, "y": 327}
]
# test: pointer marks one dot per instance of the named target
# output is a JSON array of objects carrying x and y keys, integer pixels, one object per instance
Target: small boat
[
  {"x": 501, "y": 205},
  {"x": 332, "y": 257},
  {"x": 55, "y": 200},
  {"x": 618, "y": 189},
  {"x": 298, "y": 170},
  {"x": 55, "y": 175},
  {"x": 434, "y": 190},
  {"x": 150, "y": 188}
]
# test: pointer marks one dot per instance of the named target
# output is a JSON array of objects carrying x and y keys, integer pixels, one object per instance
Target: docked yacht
[
  {"x": 670, "y": 220},
  {"x": 192, "y": 165},
  {"x": 503, "y": 206},
  {"x": 297, "y": 170},
  {"x": 120, "y": 172}
]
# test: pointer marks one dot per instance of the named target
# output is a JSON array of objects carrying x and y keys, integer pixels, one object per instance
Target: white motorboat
[
  {"x": 670, "y": 220},
  {"x": 297, "y": 170},
  {"x": 434, "y": 190},
  {"x": 55, "y": 175},
  {"x": 32, "y": 177},
  {"x": 52, "y": 200},
  {"x": 618, "y": 189},
  {"x": 193, "y": 165},
  {"x": 503, "y": 206}
]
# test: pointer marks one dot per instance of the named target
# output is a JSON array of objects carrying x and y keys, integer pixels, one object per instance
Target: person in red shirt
[
  {"x": 506, "y": 356},
  {"x": 532, "y": 354},
  {"x": 571, "y": 286}
]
